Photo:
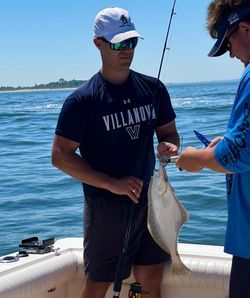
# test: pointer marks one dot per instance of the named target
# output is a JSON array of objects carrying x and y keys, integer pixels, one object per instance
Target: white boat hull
[{"x": 60, "y": 275}]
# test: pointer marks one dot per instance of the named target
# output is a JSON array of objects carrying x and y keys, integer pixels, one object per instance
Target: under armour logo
[{"x": 125, "y": 101}]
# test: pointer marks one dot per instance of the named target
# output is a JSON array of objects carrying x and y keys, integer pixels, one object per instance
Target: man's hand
[
  {"x": 166, "y": 148},
  {"x": 129, "y": 186}
]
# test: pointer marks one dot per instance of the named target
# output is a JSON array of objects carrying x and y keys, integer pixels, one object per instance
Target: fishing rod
[
  {"x": 166, "y": 39},
  {"x": 120, "y": 267}
]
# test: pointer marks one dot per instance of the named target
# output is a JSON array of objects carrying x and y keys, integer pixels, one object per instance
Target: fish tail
[{"x": 178, "y": 267}]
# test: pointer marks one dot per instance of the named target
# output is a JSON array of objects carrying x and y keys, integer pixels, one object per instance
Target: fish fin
[
  {"x": 178, "y": 267},
  {"x": 184, "y": 214}
]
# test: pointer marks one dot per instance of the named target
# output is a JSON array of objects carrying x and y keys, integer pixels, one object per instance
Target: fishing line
[{"x": 120, "y": 267}]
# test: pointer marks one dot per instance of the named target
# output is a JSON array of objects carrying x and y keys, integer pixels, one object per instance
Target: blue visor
[{"x": 224, "y": 25}]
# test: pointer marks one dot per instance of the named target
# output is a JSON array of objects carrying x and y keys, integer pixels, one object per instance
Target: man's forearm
[
  {"x": 78, "y": 168},
  {"x": 194, "y": 160}
]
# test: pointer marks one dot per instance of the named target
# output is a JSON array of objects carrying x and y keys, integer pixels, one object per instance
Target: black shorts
[
  {"x": 240, "y": 278},
  {"x": 105, "y": 225}
]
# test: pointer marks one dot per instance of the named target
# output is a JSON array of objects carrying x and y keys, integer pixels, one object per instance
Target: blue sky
[{"x": 43, "y": 41}]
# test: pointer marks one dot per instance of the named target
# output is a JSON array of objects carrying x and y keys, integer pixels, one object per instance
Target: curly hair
[{"x": 218, "y": 9}]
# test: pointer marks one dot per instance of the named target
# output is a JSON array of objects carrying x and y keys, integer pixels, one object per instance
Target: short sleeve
[
  {"x": 71, "y": 120},
  {"x": 165, "y": 111}
]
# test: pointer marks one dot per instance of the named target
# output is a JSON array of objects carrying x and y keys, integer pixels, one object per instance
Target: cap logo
[
  {"x": 233, "y": 18},
  {"x": 124, "y": 21}
]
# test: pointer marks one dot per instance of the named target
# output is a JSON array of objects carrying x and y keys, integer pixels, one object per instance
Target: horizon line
[{"x": 165, "y": 83}]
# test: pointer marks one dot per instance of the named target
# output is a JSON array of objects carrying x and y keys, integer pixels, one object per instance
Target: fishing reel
[{"x": 136, "y": 290}]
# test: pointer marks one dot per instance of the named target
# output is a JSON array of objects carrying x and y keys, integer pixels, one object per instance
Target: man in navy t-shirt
[{"x": 111, "y": 119}]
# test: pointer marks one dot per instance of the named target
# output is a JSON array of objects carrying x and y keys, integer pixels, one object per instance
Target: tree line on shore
[{"x": 61, "y": 83}]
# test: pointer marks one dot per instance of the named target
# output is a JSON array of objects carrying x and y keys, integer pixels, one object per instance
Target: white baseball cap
[{"x": 115, "y": 25}]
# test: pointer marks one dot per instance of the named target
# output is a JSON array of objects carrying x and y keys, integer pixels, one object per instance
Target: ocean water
[{"x": 37, "y": 199}]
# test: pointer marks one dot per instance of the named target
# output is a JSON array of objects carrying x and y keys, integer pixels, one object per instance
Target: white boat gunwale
[{"x": 60, "y": 274}]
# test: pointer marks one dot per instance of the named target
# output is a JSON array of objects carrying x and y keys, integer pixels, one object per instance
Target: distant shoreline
[
  {"x": 24, "y": 89},
  {"x": 36, "y": 90},
  {"x": 61, "y": 84}
]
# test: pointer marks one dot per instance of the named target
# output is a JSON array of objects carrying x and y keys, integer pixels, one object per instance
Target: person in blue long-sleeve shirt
[{"x": 229, "y": 23}]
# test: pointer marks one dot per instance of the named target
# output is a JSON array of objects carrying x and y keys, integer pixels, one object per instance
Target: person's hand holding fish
[
  {"x": 190, "y": 160},
  {"x": 194, "y": 160},
  {"x": 166, "y": 148}
]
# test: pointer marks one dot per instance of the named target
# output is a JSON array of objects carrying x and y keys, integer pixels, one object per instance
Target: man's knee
[{"x": 94, "y": 289}]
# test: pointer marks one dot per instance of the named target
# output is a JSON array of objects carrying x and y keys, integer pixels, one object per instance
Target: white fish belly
[{"x": 166, "y": 214}]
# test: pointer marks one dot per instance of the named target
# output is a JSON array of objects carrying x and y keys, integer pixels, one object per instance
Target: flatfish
[{"x": 166, "y": 216}]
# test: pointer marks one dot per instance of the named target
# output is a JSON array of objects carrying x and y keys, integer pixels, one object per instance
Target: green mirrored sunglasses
[{"x": 119, "y": 46}]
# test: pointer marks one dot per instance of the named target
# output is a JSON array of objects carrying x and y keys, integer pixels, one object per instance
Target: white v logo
[{"x": 133, "y": 131}]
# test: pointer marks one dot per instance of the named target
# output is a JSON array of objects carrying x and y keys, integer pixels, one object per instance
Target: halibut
[{"x": 166, "y": 216}]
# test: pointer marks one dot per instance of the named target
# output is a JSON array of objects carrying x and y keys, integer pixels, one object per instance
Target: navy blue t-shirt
[{"x": 111, "y": 123}]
